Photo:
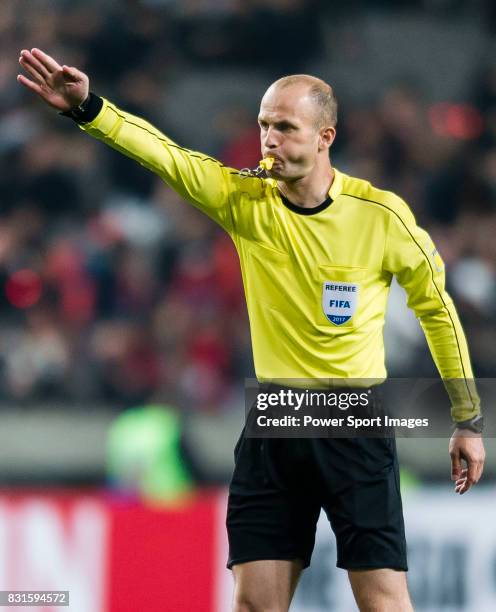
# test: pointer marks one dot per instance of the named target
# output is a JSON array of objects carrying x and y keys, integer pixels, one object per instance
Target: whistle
[{"x": 266, "y": 163}]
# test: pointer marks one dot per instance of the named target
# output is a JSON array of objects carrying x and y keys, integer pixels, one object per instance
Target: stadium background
[{"x": 117, "y": 297}]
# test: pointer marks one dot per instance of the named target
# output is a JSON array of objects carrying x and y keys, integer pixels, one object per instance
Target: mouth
[
  {"x": 275, "y": 161},
  {"x": 268, "y": 162}
]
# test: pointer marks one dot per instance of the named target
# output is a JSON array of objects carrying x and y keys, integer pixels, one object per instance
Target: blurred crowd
[{"x": 113, "y": 289}]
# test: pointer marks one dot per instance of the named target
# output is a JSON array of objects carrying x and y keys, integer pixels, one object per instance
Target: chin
[
  {"x": 277, "y": 174},
  {"x": 282, "y": 177}
]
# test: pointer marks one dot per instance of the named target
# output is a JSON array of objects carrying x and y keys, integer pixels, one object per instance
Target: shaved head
[{"x": 319, "y": 91}]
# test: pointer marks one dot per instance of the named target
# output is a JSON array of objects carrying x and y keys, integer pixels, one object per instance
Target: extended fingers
[
  {"x": 30, "y": 69},
  {"x": 46, "y": 60},
  {"x": 29, "y": 84},
  {"x": 33, "y": 66}
]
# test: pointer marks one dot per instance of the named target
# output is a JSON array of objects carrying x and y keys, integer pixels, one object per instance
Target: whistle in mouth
[{"x": 266, "y": 163}]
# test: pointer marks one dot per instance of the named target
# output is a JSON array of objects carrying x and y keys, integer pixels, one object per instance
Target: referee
[{"x": 301, "y": 229}]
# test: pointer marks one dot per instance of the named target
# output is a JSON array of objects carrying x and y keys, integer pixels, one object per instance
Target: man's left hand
[{"x": 466, "y": 445}]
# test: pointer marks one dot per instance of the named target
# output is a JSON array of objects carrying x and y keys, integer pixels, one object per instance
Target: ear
[{"x": 326, "y": 137}]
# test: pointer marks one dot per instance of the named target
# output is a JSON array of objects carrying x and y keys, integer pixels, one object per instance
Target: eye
[{"x": 263, "y": 125}]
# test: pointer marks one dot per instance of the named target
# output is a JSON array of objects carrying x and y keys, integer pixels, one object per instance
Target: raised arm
[{"x": 201, "y": 179}]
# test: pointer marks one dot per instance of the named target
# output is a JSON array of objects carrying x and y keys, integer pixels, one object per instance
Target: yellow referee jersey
[{"x": 316, "y": 279}]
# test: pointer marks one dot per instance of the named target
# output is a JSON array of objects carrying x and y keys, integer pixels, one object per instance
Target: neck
[{"x": 308, "y": 191}]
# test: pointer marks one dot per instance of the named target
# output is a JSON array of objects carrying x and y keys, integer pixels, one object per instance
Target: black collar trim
[{"x": 306, "y": 211}]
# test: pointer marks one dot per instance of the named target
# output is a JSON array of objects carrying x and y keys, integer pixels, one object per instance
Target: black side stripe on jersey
[
  {"x": 433, "y": 281},
  {"x": 172, "y": 144}
]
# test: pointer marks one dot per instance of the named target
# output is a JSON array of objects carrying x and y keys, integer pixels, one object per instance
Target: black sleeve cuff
[{"x": 87, "y": 110}]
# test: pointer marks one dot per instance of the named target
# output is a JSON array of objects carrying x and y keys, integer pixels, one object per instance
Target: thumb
[
  {"x": 70, "y": 73},
  {"x": 456, "y": 467}
]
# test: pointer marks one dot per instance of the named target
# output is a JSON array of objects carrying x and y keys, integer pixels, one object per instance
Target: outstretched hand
[{"x": 62, "y": 87}]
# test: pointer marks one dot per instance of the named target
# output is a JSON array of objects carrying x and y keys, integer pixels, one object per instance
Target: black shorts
[{"x": 279, "y": 486}]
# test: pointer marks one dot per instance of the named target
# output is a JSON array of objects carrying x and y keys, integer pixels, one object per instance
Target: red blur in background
[{"x": 23, "y": 288}]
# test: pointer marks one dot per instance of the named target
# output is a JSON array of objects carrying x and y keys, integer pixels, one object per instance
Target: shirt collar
[{"x": 337, "y": 185}]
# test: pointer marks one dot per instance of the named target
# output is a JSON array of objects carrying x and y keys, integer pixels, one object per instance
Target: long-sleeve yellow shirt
[{"x": 316, "y": 280}]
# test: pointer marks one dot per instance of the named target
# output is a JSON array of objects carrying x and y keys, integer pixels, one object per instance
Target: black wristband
[
  {"x": 87, "y": 110},
  {"x": 476, "y": 424}
]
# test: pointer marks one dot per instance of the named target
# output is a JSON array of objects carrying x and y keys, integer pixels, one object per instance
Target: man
[{"x": 300, "y": 230}]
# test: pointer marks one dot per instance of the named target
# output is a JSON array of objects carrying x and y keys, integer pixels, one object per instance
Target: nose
[{"x": 270, "y": 139}]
